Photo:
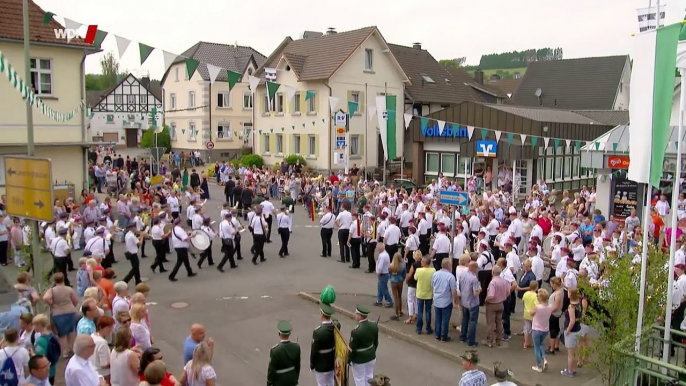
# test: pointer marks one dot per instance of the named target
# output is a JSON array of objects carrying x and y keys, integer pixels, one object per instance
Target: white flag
[
  {"x": 523, "y": 138},
  {"x": 470, "y": 129},
  {"x": 122, "y": 45},
  {"x": 546, "y": 140},
  {"x": 290, "y": 93},
  {"x": 408, "y": 120},
  {"x": 71, "y": 24},
  {"x": 497, "y": 135},
  {"x": 333, "y": 103},
  {"x": 169, "y": 58},
  {"x": 569, "y": 143},
  {"x": 214, "y": 72},
  {"x": 383, "y": 129},
  {"x": 254, "y": 82},
  {"x": 441, "y": 125}
]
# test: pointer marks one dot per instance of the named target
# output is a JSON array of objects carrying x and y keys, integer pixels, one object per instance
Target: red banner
[{"x": 618, "y": 162}]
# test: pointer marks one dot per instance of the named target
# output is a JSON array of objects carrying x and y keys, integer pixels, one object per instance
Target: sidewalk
[{"x": 514, "y": 356}]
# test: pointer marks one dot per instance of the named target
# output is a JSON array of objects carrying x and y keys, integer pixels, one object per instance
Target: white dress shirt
[
  {"x": 327, "y": 221},
  {"x": 382, "y": 263},
  {"x": 405, "y": 219},
  {"x": 258, "y": 224},
  {"x": 513, "y": 262},
  {"x": 180, "y": 238},
  {"x": 49, "y": 235},
  {"x": 196, "y": 221},
  {"x": 283, "y": 220},
  {"x": 97, "y": 245},
  {"x": 441, "y": 244},
  {"x": 344, "y": 220},
  {"x": 131, "y": 243},
  {"x": 157, "y": 232},
  {"x": 459, "y": 245},
  {"x": 226, "y": 230},
  {"x": 381, "y": 229},
  {"x": 537, "y": 267},
  {"x": 267, "y": 208},
  {"x": 88, "y": 234},
  {"x": 210, "y": 232},
  {"x": 412, "y": 242},
  {"x": 353, "y": 229},
  {"x": 80, "y": 372},
  {"x": 474, "y": 224},
  {"x": 392, "y": 235},
  {"x": 173, "y": 203},
  {"x": 424, "y": 226},
  {"x": 59, "y": 247}
]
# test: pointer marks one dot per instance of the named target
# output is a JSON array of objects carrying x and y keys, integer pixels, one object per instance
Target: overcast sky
[{"x": 447, "y": 29}]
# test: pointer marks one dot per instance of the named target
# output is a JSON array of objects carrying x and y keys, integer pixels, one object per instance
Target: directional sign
[
  {"x": 29, "y": 187},
  {"x": 488, "y": 149},
  {"x": 447, "y": 197}
]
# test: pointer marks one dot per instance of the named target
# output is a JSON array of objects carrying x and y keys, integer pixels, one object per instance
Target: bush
[
  {"x": 293, "y": 158},
  {"x": 252, "y": 160},
  {"x": 236, "y": 163},
  {"x": 210, "y": 171},
  {"x": 163, "y": 138}
]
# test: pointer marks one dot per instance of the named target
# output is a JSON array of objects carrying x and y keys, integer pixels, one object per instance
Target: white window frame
[
  {"x": 279, "y": 144},
  {"x": 355, "y": 146},
  {"x": 226, "y": 97},
  {"x": 36, "y": 69},
  {"x": 191, "y": 99},
  {"x": 296, "y": 143},
  {"x": 143, "y": 99},
  {"x": 368, "y": 59},
  {"x": 311, "y": 146},
  {"x": 312, "y": 105},
  {"x": 172, "y": 101},
  {"x": 278, "y": 103},
  {"x": 445, "y": 173},
  {"x": 176, "y": 74},
  {"x": 296, "y": 104},
  {"x": 191, "y": 131},
  {"x": 265, "y": 142},
  {"x": 459, "y": 169},
  {"x": 120, "y": 98},
  {"x": 426, "y": 163},
  {"x": 225, "y": 133},
  {"x": 268, "y": 107},
  {"x": 131, "y": 99},
  {"x": 250, "y": 105},
  {"x": 355, "y": 96},
  {"x": 172, "y": 131}
]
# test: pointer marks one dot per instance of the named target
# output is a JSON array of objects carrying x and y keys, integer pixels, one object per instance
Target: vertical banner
[
  {"x": 625, "y": 198},
  {"x": 391, "y": 127},
  {"x": 383, "y": 128},
  {"x": 341, "y": 366}
]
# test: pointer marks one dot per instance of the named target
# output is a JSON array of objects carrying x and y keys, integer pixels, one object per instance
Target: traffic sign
[
  {"x": 29, "y": 187},
  {"x": 447, "y": 197},
  {"x": 157, "y": 153},
  {"x": 209, "y": 145}
]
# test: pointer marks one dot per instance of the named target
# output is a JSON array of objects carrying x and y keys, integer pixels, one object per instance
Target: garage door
[{"x": 110, "y": 137}]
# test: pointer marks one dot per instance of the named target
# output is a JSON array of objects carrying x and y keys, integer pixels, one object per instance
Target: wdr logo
[{"x": 69, "y": 34}]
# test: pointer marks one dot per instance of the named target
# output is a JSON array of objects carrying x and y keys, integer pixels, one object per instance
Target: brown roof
[
  {"x": 573, "y": 84},
  {"x": 228, "y": 56},
  {"x": 508, "y": 85},
  {"x": 606, "y": 117},
  {"x": 319, "y": 57},
  {"x": 462, "y": 76},
  {"x": 93, "y": 98},
  {"x": 545, "y": 114},
  {"x": 12, "y": 25}
]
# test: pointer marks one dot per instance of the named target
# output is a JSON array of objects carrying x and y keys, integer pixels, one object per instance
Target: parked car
[{"x": 403, "y": 183}]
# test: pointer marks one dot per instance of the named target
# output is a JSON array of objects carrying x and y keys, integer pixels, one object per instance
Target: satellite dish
[{"x": 538, "y": 93}]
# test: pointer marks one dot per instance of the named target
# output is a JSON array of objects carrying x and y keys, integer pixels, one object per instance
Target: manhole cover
[{"x": 179, "y": 305}]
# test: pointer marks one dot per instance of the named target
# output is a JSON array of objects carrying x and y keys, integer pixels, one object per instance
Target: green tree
[
  {"x": 93, "y": 82},
  {"x": 456, "y": 62},
  {"x": 163, "y": 138},
  {"x": 110, "y": 68}
]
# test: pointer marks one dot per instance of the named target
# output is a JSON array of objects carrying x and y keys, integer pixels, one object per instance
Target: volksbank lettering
[{"x": 448, "y": 131}]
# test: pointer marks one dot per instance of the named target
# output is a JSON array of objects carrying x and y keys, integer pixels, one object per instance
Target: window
[
  {"x": 558, "y": 168},
  {"x": 172, "y": 131},
  {"x": 191, "y": 131},
  {"x": 427, "y": 79},
  {"x": 118, "y": 99},
  {"x": 223, "y": 99},
  {"x": 568, "y": 168},
  {"x": 110, "y": 118},
  {"x": 131, "y": 99},
  {"x": 172, "y": 101},
  {"x": 431, "y": 163},
  {"x": 296, "y": 103},
  {"x": 354, "y": 145},
  {"x": 464, "y": 163},
  {"x": 575, "y": 166},
  {"x": 448, "y": 164},
  {"x": 265, "y": 142},
  {"x": 279, "y": 103},
  {"x": 279, "y": 144},
  {"x": 224, "y": 130},
  {"x": 296, "y": 143},
  {"x": 368, "y": 59},
  {"x": 311, "y": 105},
  {"x": 176, "y": 74},
  {"x": 268, "y": 107},
  {"x": 41, "y": 76},
  {"x": 247, "y": 100},
  {"x": 191, "y": 99},
  {"x": 143, "y": 99},
  {"x": 247, "y": 132},
  {"x": 355, "y": 96},
  {"x": 311, "y": 145},
  {"x": 549, "y": 164}
]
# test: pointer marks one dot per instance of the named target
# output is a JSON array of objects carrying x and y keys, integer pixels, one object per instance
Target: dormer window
[
  {"x": 427, "y": 79},
  {"x": 447, "y": 81}
]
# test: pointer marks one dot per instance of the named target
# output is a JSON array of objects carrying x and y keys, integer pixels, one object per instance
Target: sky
[{"x": 446, "y": 28}]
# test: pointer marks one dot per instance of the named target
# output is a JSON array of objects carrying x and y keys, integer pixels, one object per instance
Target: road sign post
[
  {"x": 29, "y": 187},
  {"x": 341, "y": 120}
]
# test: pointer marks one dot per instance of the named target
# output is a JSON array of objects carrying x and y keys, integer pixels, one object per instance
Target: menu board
[{"x": 625, "y": 197}]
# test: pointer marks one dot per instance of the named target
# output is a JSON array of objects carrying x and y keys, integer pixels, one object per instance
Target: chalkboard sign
[{"x": 625, "y": 198}]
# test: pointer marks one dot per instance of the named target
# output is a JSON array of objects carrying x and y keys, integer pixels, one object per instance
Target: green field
[{"x": 504, "y": 73}]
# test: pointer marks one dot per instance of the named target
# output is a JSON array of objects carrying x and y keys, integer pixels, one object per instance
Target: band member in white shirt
[
  {"x": 283, "y": 220},
  {"x": 441, "y": 248},
  {"x": 97, "y": 244},
  {"x": 370, "y": 237},
  {"x": 106, "y": 223},
  {"x": 89, "y": 232},
  {"x": 326, "y": 224},
  {"x": 258, "y": 226},
  {"x": 180, "y": 241},
  {"x": 132, "y": 243},
  {"x": 238, "y": 227},
  {"x": 355, "y": 240},
  {"x": 343, "y": 221},
  {"x": 411, "y": 245},
  {"x": 60, "y": 251},
  {"x": 227, "y": 234},
  {"x": 268, "y": 209},
  {"x": 49, "y": 233},
  {"x": 405, "y": 219},
  {"x": 485, "y": 263},
  {"x": 159, "y": 240},
  {"x": 391, "y": 237},
  {"x": 207, "y": 253},
  {"x": 423, "y": 228}
]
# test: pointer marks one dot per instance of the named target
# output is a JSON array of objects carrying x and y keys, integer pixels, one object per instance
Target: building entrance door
[
  {"x": 131, "y": 137},
  {"x": 522, "y": 181}
]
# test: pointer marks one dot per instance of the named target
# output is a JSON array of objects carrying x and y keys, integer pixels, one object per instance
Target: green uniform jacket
[
  {"x": 361, "y": 203},
  {"x": 323, "y": 352},
  {"x": 364, "y": 339},
  {"x": 284, "y": 364},
  {"x": 288, "y": 202}
]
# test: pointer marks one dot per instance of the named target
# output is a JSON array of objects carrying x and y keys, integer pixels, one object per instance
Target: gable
[
  {"x": 384, "y": 63},
  {"x": 128, "y": 96}
]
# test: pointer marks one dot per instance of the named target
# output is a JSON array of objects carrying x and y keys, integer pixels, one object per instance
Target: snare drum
[{"x": 199, "y": 242}]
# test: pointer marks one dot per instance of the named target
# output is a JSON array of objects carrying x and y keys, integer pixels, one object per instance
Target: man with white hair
[
  {"x": 122, "y": 301},
  {"x": 79, "y": 371}
]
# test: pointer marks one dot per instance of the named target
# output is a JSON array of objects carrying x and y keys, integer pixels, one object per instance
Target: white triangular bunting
[
  {"x": 333, "y": 103},
  {"x": 169, "y": 58},
  {"x": 470, "y": 129},
  {"x": 441, "y": 125},
  {"x": 569, "y": 143},
  {"x": 71, "y": 24},
  {"x": 523, "y": 138},
  {"x": 122, "y": 45},
  {"x": 497, "y": 135},
  {"x": 290, "y": 93},
  {"x": 408, "y": 120},
  {"x": 254, "y": 82},
  {"x": 213, "y": 71},
  {"x": 546, "y": 141}
]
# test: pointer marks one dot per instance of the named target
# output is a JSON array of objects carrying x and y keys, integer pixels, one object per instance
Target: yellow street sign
[
  {"x": 35, "y": 204},
  {"x": 30, "y": 173}
]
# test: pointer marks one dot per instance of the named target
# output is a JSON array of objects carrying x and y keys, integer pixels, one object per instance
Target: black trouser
[
  {"x": 206, "y": 254},
  {"x": 175, "y": 215},
  {"x": 484, "y": 276},
  {"x": 228, "y": 255},
  {"x": 258, "y": 247},
  {"x": 285, "y": 234},
  {"x": 438, "y": 258},
  {"x": 518, "y": 240},
  {"x": 392, "y": 250},
  {"x": 355, "y": 244},
  {"x": 160, "y": 251},
  {"x": 269, "y": 228},
  {"x": 61, "y": 266},
  {"x": 181, "y": 259},
  {"x": 326, "y": 235},
  {"x": 135, "y": 271},
  {"x": 507, "y": 311},
  {"x": 245, "y": 208},
  {"x": 143, "y": 249},
  {"x": 3, "y": 252},
  {"x": 237, "y": 246},
  {"x": 70, "y": 263},
  {"x": 109, "y": 258},
  {"x": 405, "y": 231},
  {"x": 423, "y": 244},
  {"x": 371, "y": 261},
  {"x": 456, "y": 262},
  {"x": 343, "y": 244}
]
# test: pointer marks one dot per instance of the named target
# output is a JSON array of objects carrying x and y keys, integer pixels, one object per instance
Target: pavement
[{"x": 241, "y": 307}]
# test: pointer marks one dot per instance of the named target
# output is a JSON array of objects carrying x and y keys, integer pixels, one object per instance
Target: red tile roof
[{"x": 12, "y": 26}]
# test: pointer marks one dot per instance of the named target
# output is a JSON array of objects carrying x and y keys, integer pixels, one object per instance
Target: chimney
[
  {"x": 479, "y": 76},
  {"x": 145, "y": 81},
  {"x": 331, "y": 31},
  {"x": 417, "y": 46}
]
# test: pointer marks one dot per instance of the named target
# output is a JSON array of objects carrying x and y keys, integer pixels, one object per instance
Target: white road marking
[
  {"x": 265, "y": 297},
  {"x": 151, "y": 304}
]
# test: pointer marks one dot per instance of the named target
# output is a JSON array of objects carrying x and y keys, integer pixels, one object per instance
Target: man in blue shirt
[
  {"x": 445, "y": 294},
  {"x": 196, "y": 337},
  {"x": 39, "y": 368},
  {"x": 469, "y": 295},
  {"x": 586, "y": 230},
  {"x": 10, "y": 319}
]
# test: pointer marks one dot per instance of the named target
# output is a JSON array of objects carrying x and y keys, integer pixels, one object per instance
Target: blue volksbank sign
[{"x": 448, "y": 131}]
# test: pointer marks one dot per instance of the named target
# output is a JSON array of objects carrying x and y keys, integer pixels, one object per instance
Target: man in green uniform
[
  {"x": 364, "y": 340},
  {"x": 290, "y": 206},
  {"x": 323, "y": 352},
  {"x": 284, "y": 359}
]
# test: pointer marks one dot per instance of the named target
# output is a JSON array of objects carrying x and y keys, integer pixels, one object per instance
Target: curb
[{"x": 407, "y": 338}]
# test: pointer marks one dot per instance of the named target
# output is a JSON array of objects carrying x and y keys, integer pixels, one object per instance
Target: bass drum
[
  {"x": 199, "y": 242},
  {"x": 548, "y": 245}
]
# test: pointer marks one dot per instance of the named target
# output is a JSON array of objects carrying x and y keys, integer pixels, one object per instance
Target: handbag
[{"x": 227, "y": 243}]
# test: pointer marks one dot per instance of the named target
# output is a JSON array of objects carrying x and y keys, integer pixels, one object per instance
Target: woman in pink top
[{"x": 540, "y": 327}]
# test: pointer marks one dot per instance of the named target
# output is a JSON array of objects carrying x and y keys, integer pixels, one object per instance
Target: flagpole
[
  {"x": 644, "y": 258},
  {"x": 385, "y": 94}
]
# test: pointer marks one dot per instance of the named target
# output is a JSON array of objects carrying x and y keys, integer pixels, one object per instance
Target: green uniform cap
[
  {"x": 362, "y": 310},
  {"x": 284, "y": 327},
  {"x": 470, "y": 356},
  {"x": 326, "y": 309}
]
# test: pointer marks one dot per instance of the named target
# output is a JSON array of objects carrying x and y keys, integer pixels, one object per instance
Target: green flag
[
  {"x": 191, "y": 66},
  {"x": 534, "y": 141},
  {"x": 424, "y": 122},
  {"x": 577, "y": 145},
  {"x": 614, "y": 146},
  {"x": 271, "y": 89},
  {"x": 556, "y": 142},
  {"x": 352, "y": 108},
  {"x": 510, "y": 137},
  {"x": 47, "y": 17},
  {"x": 145, "y": 51},
  {"x": 100, "y": 35},
  {"x": 484, "y": 134},
  {"x": 309, "y": 95},
  {"x": 233, "y": 78}
]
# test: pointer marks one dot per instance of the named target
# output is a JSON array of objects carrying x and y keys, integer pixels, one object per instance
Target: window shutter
[
  {"x": 361, "y": 106},
  {"x": 303, "y": 102},
  {"x": 272, "y": 144},
  {"x": 362, "y": 144},
  {"x": 316, "y": 145},
  {"x": 261, "y": 143},
  {"x": 316, "y": 102},
  {"x": 291, "y": 104},
  {"x": 261, "y": 102},
  {"x": 303, "y": 144},
  {"x": 292, "y": 143}
]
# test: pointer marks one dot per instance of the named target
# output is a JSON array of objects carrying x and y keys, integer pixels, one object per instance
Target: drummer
[
  {"x": 181, "y": 242},
  {"x": 160, "y": 244},
  {"x": 207, "y": 253},
  {"x": 132, "y": 243}
]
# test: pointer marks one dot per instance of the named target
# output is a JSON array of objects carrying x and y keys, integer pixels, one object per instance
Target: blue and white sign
[
  {"x": 341, "y": 119},
  {"x": 340, "y": 144},
  {"x": 448, "y": 131},
  {"x": 488, "y": 149},
  {"x": 447, "y": 197}
]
